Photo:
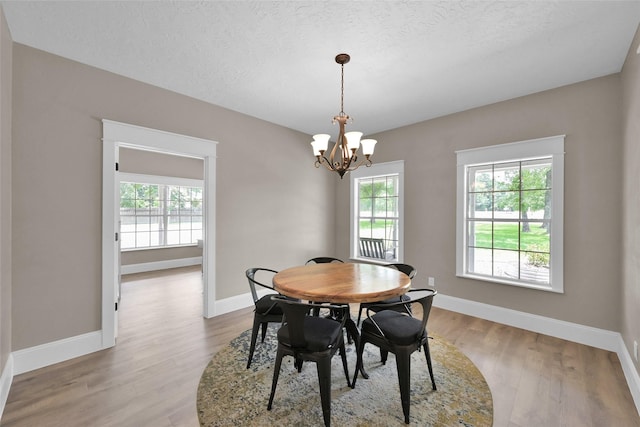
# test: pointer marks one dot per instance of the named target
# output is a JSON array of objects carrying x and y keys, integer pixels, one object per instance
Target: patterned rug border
[{"x": 229, "y": 394}]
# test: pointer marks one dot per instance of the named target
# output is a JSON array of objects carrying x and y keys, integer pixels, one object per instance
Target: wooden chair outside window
[{"x": 372, "y": 248}]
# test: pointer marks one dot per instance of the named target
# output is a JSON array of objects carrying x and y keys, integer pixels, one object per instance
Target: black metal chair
[
  {"x": 323, "y": 260},
  {"x": 310, "y": 338},
  {"x": 334, "y": 314},
  {"x": 266, "y": 310},
  {"x": 407, "y": 269},
  {"x": 400, "y": 334}
]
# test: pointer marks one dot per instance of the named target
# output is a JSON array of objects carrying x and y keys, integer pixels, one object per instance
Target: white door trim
[{"x": 114, "y": 136}]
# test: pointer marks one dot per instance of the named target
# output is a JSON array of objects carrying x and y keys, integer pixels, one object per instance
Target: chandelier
[{"x": 346, "y": 160}]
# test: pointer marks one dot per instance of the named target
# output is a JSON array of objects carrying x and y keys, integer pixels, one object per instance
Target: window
[
  {"x": 376, "y": 212},
  {"x": 159, "y": 211},
  {"x": 510, "y": 213}
]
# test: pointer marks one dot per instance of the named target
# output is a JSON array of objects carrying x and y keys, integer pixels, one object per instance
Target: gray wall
[
  {"x": 277, "y": 213},
  {"x": 150, "y": 163},
  {"x": 270, "y": 212},
  {"x": 630, "y": 301},
  {"x": 6, "y": 47},
  {"x": 589, "y": 113},
  {"x": 159, "y": 254}
]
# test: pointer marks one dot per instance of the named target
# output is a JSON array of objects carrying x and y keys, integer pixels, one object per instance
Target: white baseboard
[
  {"x": 587, "y": 335},
  {"x": 47, "y": 354},
  {"x": 29, "y": 359},
  {"x": 237, "y": 302},
  {"x": 581, "y": 334},
  {"x": 160, "y": 265},
  {"x": 5, "y": 383},
  {"x": 630, "y": 373}
]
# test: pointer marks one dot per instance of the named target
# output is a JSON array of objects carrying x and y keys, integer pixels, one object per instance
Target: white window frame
[
  {"x": 136, "y": 178},
  {"x": 517, "y": 151},
  {"x": 376, "y": 170}
]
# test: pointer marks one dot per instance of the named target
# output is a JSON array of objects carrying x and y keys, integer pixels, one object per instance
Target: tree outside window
[
  {"x": 157, "y": 215},
  {"x": 510, "y": 218},
  {"x": 509, "y": 214}
]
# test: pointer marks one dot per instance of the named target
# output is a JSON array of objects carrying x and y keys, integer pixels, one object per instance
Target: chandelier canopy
[{"x": 348, "y": 143}]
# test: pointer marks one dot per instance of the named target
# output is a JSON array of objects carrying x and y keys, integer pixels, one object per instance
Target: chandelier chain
[{"x": 342, "y": 90}]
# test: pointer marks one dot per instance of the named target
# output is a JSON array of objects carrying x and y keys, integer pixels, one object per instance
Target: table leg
[{"x": 352, "y": 329}]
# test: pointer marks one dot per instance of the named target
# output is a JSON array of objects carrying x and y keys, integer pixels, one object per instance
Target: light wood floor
[{"x": 150, "y": 377}]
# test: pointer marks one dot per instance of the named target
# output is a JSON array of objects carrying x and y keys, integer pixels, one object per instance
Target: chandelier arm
[
  {"x": 322, "y": 160},
  {"x": 365, "y": 162},
  {"x": 342, "y": 140},
  {"x": 347, "y": 161},
  {"x": 332, "y": 155}
]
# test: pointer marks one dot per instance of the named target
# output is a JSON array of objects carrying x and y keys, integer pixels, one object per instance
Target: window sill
[
  {"x": 150, "y": 248},
  {"x": 529, "y": 285}
]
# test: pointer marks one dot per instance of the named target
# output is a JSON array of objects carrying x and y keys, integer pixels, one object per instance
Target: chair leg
[
  {"x": 403, "y": 365},
  {"x": 427, "y": 355},
  {"x": 254, "y": 338},
  {"x": 276, "y": 375},
  {"x": 324, "y": 379},
  {"x": 264, "y": 330},
  {"x": 383, "y": 356},
  {"x": 315, "y": 311},
  {"x": 343, "y": 355},
  {"x": 348, "y": 334}
]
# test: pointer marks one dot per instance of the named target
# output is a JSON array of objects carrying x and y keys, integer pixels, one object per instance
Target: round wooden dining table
[{"x": 342, "y": 283}]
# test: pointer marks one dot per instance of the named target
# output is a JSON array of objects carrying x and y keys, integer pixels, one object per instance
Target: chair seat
[
  {"x": 397, "y": 328},
  {"x": 265, "y": 303},
  {"x": 320, "y": 333}
]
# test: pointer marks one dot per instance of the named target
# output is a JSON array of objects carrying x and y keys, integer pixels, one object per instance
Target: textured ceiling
[{"x": 410, "y": 61}]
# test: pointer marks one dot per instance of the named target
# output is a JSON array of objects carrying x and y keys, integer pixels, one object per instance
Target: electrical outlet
[
  {"x": 635, "y": 350},
  {"x": 432, "y": 282}
]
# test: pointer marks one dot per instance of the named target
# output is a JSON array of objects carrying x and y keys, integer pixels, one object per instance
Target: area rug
[{"x": 231, "y": 395}]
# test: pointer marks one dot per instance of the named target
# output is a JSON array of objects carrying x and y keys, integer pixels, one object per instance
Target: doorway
[{"x": 115, "y": 136}]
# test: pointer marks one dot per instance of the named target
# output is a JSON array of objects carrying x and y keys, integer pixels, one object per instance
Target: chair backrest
[
  {"x": 407, "y": 269},
  {"x": 372, "y": 248},
  {"x": 423, "y": 296},
  {"x": 323, "y": 260},
  {"x": 251, "y": 277},
  {"x": 294, "y": 314}
]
